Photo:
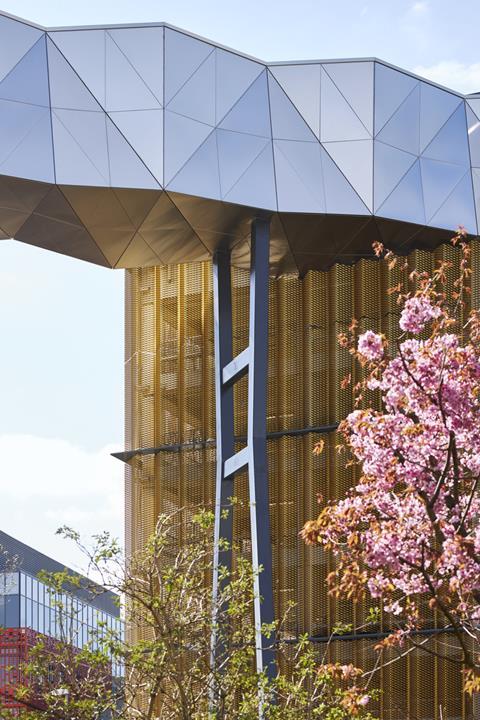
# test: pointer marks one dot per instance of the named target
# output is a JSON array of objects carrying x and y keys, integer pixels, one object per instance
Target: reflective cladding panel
[
  {"x": 450, "y": 144},
  {"x": 143, "y": 129},
  {"x": 147, "y": 108},
  {"x": 27, "y": 82},
  {"x": 474, "y": 136},
  {"x": 67, "y": 90},
  {"x": 81, "y": 153},
  {"x": 143, "y": 49},
  {"x": 302, "y": 85},
  {"x": 392, "y": 87},
  {"x": 287, "y": 123},
  {"x": 183, "y": 56},
  {"x": 236, "y": 152},
  {"x": 390, "y": 165},
  {"x": 127, "y": 168},
  {"x": 355, "y": 160},
  {"x": 124, "y": 88},
  {"x": 85, "y": 51},
  {"x": 196, "y": 98},
  {"x": 458, "y": 208},
  {"x": 33, "y": 157},
  {"x": 355, "y": 80},
  {"x": 17, "y": 39},
  {"x": 436, "y": 107},
  {"x": 438, "y": 181},
  {"x": 402, "y": 130},
  {"x": 183, "y": 136},
  {"x": 338, "y": 120},
  {"x": 26, "y": 141},
  {"x": 256, "y": 186},
  {"x": 234, "y": 74},
  {"x": 251, "y": 114},
  {"x": 201, "y": 170},
  {"x": 405, "y": 202},
  {"x": 299, "y": 176},
  {"x": 340, "y": 197}
]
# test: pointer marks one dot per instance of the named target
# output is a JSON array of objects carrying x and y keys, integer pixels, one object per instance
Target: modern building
[
  {"x": 151, "y": 149},
  {"x": 30, "y": 611}
]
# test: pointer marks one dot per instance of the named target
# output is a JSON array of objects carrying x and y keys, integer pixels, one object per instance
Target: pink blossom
[
  {"x": 411, "y": 523},
  {"x": 370, "y": 345},
  {"x": 417, "y": 311}
]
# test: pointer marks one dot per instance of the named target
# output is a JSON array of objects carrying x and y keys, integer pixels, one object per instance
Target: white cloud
[
  {"x": 46, "y": 483},
  {"x": 455, "y": 75}
]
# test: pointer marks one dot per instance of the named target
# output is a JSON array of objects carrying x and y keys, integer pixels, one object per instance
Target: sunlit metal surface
[{"x": 142, "y": 145}]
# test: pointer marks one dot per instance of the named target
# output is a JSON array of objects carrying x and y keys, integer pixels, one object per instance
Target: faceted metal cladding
[{"x": 131, "y": 146}]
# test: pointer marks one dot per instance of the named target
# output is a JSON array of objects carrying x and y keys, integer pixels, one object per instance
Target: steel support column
[{"x": 228, "y": 370}]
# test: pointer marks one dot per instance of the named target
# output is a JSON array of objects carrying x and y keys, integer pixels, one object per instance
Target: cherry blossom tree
[{"x": 408, "y": 533}]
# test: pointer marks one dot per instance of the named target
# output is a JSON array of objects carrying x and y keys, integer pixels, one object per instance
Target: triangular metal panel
[
  {"x": 451, "y": 143},
  {"x": 182, "y": 137},
  {"x": 33, "y": 156},
  {"x": 473, "y": 123},
  {"x": 76, "y": 134},
  {"x": 302, "y": 85},
  {"x": 165, "y": 228},
  {"x": 144, "y": 131},
  {"x": 287, "y": 123},
  {"x": 436, "y": 106},
  {"x": 217, "y": 224},
  {"x": 138, "y": 254},
  {"x": 18, "y": 199},
  {"x": 55, "y": 226},
  {"x": 337, "y": 119},
  {"x": 85, "y": 51},
  {"x": 67, "y": 89},
  {"x": 196, "y": 99},
  {"x": 299, "y": 177},
  {"x": 406, "y": 201},
  {"x": 474, "y": 105},
  {"x": 16, "y": 121},
  {"x": 165, "y": 220},
  {"x": 234, "y": 74},
  {"x": 438, "y": 180},
  {"x": 391, "y": 89},
  {"x": 340, "y": 197},
  {"x": 458, "y": 209},
  {"x": 236, "y": 152},
  {"x": 200, "y": 175},
  {"x": 144, "y": 49},
  {"x": 476, "y": 189},
  {"x": 17, "y": 39},
  {"x": 72, "y": 164},
  {"x": 355, "y": 82},
  {"x": 137, "y": 203},
  {"x": 28, "y": 81},
  {"x": 125, "y": 89},
  {"x": 100, "y": 210},
  {"x": 355, "y": 160},
  {"x": 403, "y": 129},
  {"x": 256, "y": 187},
  {"x": 126, "y": 167},
  {"x": 183, "y": 55},
  {"x": 390, "y": 165},
  {"x": 251, "y": 114}
]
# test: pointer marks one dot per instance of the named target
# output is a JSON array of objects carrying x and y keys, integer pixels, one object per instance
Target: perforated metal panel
[{"x": 170, "y": 404}]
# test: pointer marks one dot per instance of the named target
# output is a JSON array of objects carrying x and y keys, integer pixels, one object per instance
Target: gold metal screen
[{"x": 170, "y": 402}]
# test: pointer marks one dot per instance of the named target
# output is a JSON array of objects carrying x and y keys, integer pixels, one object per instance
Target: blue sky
[{"x": 61, "y": 320}]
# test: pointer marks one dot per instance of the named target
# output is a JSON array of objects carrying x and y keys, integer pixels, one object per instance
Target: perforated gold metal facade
[{"x": 171, "y": 407}]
